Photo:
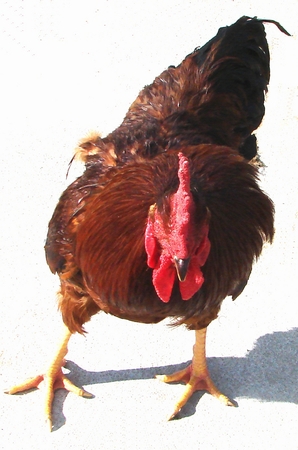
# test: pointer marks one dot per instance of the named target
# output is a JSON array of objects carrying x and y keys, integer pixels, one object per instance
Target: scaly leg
[
  {"x": 53, "y": 379},
  {"x": 196, "y": 376}
]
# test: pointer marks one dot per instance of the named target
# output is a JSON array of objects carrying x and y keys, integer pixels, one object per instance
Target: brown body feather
[{"x": 206, "y": 108}]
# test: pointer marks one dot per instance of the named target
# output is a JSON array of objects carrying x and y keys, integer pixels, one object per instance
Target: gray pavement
[{"x": 67, "y": 68}]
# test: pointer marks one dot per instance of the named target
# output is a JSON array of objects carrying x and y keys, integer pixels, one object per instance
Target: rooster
[{"x": 168, "y": 217}]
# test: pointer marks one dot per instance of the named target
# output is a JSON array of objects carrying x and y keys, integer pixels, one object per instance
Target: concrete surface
[{"x": 66, "y": 68}]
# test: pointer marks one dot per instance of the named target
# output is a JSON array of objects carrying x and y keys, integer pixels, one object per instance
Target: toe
[{"x": 30, "y": 383}]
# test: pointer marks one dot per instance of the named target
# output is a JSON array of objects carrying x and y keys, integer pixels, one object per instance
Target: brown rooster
[{"x": 168, "y": 217}]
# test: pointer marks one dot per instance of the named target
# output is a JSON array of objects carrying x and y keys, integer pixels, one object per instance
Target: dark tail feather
[
  {"x": 234, "y": 70},
  {"x": 279, "y": 26}
]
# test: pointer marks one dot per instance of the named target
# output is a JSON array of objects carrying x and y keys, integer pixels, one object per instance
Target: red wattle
[{"x": 163, "y": 278}]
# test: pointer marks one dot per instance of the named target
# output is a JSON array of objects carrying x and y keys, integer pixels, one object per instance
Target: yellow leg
[
  {"x": 53, "y": 379},
  {"x": 196, "y": 376}
]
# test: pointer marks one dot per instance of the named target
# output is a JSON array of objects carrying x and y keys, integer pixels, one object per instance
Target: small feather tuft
[
  {"x": 88, "y": 146},
  {"x": 93, "y": 145}
]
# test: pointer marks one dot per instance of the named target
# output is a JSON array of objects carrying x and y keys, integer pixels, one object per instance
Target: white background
[{"x": 71, "y": 67}]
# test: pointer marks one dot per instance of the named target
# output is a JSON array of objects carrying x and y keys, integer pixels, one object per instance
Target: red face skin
[{"x": 180, "y": 240}]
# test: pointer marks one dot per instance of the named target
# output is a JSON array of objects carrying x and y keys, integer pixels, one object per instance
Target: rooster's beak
[{"x": 181, "y": 267}]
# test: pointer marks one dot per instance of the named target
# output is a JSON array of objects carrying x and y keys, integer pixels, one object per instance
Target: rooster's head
[{"x": 176, "y": 239}]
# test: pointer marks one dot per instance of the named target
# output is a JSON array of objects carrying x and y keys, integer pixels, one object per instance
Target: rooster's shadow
[{"x": 269, "y": 372}]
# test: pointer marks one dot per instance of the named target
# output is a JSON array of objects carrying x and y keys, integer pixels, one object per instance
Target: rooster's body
[{"x": 168, "y": 217}]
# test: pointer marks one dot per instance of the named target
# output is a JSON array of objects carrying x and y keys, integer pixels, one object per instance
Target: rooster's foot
[
  {"x": 196, "y": 377},
  {"x": 52, "y": 380},
  {"x": 194, "y": 383}
]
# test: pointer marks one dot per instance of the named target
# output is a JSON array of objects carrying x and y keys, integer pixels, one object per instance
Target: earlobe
[
  {"x": 203, "y": 251},
  {"x": 151, "y": 245}
]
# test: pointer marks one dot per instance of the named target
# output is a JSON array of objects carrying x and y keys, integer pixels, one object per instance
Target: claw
[
  {"x": 69, "y": 386},
  {"x": 49, "y": 424}
]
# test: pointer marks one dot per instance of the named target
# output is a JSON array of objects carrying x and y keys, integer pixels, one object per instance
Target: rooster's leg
[
  {"x": 53, "y": 379},
  {"x": 196, "y": 376}
]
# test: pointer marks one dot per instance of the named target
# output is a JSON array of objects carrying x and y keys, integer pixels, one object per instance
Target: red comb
[
  {"x": 183, "y": 173},
  {"x": 182, "y": 207}
]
